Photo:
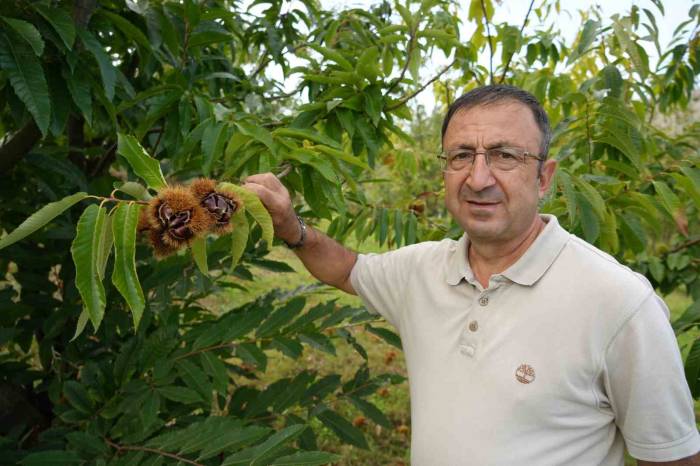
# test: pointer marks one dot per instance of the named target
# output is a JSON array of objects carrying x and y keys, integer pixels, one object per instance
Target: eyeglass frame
[{"x": 444, "y": 158}]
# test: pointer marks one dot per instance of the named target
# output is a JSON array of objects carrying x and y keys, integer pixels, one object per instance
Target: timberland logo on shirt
[{"x": 525, "y": 373}]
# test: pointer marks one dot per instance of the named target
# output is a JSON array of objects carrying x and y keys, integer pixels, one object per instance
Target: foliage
[{"x": 120, "y": 99}]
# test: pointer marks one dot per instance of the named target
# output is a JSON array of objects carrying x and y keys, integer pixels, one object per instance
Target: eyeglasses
[{"x": 498, "y": 158}]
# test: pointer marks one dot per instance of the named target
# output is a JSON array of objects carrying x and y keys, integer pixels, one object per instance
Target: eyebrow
[{"x": 499, "y": 143}]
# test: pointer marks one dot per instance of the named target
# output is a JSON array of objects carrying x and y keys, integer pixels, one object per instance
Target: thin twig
[
  {"x": 685, "y": 245},
  {"x": 405, "y": 99},
  {"x": 488, "y": 33},
  {"x": 396, "y": 82},
  {"x": 285, "y": 171},
  {"x": 150, "y": 450},
  {"x": 522, "y": 28}
]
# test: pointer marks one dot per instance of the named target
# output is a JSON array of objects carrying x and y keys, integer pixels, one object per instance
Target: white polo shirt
[{"x": 566, "y": 357}]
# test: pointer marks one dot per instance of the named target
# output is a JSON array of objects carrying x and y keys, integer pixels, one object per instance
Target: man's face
[{"x": 490, "y": 205}]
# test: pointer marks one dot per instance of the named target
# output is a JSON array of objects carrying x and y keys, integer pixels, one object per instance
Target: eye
[
  {"x": 503, "y": 154},
  {"x": 462, "y": 155}
]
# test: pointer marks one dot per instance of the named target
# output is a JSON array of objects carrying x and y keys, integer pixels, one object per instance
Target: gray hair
[{"x": 495, "y": 93}]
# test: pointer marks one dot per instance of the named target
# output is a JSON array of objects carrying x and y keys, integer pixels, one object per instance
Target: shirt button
[
  {"x": 484, "y": 301},
  {"x": 473, "y": 326}
]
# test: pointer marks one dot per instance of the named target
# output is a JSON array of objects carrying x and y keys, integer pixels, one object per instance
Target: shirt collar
[{"x": 528, "y": 268}]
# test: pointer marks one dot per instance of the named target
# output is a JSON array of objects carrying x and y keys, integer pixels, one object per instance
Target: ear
[{"x": 546, "y": 176}]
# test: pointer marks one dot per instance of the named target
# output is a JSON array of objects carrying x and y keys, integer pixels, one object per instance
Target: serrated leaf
[
  {"x": 692, "y": 368},
  {"x": 281, "y": 317},
  {"x": 28, "y": 32},
  {"x": 199, "y": 254},
  {"x": 372, "y": 412},
  {"x": 256, "y": 456},
  {"x": 40, "y": 218},
  {"x": 589, "y": 219},
  {"x": 386, "y": 335},
  {"x": 145, "y": 166},
  {"x": 332, "y": 55},
  {"x": 258, "y": 133},
  {"x": 195, "y": 378},
  {"x": 343, "y": 428},
  {"x": 85, "y": 250},
  {"x": 232, "y": 440},
  {"x": 27, "y": 78},
  {"x": 78, "y": 397},
  {"x": 51, "y": 458},
  {"x": 79, "y": 88},
  {"x": 82, "y": 322},
  {"x": 124, "y": 276},
  {"x": 239, "y": 236},
  {"x": 135, "y": 190},
  {"x": 255, "y": 208},
  {"x": 107, "y": 70},
  {"x": 669, "y": 199},
  {"x": 180, "y": 394},
  {"x": 105, "y": 246},
  {"x": 60, "y": 20},
  {"x": 307, "y": 134},
  {"x": 306, "y": 458}
]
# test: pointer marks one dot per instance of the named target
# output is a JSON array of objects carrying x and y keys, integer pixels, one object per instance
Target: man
[{"x": 524, "y": 344}]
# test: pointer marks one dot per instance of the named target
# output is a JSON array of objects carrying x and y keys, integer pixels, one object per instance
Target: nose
[{"x": 480, "y": 176}]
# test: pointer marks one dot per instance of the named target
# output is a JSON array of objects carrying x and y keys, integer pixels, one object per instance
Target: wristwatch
[{"x": 300, "y": 243}]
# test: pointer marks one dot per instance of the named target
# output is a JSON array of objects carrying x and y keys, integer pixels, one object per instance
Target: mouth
[{"x": 483, "y": 203}]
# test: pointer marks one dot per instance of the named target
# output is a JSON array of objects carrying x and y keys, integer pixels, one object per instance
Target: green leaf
[
  {"x": 60, "y": 20},
  {"x": 342, "y": 156},
  {"x": 692, "y": 368},
  {"x": 51, "y": 458},
  {"x": 213, "y": 141},
  {"x": 343, "y": 428},
  {"x": 28, "y": 33},
  {"x": 82, "y": 322},
  {"x": 239, "y": 236},
  {"x": 135, "y": 190},
  {"x": 124, "y": 276},
  {"x": 386, "y": 335},
  {"x": 332, "y": 55},
  {"x": 145, "y": 166},
  {"x": 232, "y": 439},
  {"x": 78, "y": 397},
  {"x": 129, "y": 30},
  {"x": 85, "y": 250},
  {"x": 180, "y": 394},
  {"x": 195, "y": 378},
  {"x": 588, "y": 35},
  {"x": 368, "y": 64},
  {"x": 374, "y": 103},
  {"x": 255, "y": 208},
  {"x": 107, "y": 70},
  {"x": 79, "y": 88},
  {"x": 306, "y": 134},
  {"x": 40, "y": 218},
  {"x": 281, "y": 317},
  {"x": 258, "y": 133},
  {"x": 622, "y": 32},
  {"x": 372, "y": 412},
  {"x": 27, "y": 78},
  {"x": 199, "y": 254},
  {"x": 307, "y": 458},
  {"x": 690, "y": 317},
  {"x": 104, "y": 246},
  {"x": 669, "y": 199},
  {"x": 589, "y": 219}
]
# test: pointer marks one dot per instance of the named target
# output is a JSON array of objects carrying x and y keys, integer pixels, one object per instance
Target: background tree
[{"x": 160, "y": 375}]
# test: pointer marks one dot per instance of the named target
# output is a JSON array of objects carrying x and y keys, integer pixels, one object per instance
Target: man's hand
[
  {"x": 276, "y": 199},
  {"x": 326, "y": 259}
]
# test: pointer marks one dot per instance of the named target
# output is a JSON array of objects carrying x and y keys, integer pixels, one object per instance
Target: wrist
[{"x": 300, "y": 237}]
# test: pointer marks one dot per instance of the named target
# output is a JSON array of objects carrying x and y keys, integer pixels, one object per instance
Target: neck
[{"x": 490, "y": 258}]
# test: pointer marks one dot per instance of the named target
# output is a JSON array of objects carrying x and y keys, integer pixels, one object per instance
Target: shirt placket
[{"x": 474, "y": 330}]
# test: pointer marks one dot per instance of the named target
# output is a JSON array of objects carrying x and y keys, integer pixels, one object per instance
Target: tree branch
[
  {"x": 405, "y": 99},
  {"x": 488, "y": 33},
  {"x": 522, "y": 28},
  {"x": 150, "y": 450},
  {"x": 685, "y": 245},
  {"x": 396, "y": 82},
  {"x": 18, "y": 146}
]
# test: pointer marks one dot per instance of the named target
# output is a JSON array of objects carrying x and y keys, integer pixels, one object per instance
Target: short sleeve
[
  {"x": 380, "y": 280},
  {"x": 647, "y": 388}
]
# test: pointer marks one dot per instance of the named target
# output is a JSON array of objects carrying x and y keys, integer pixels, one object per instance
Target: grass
[{"x": 387, "y": 446}]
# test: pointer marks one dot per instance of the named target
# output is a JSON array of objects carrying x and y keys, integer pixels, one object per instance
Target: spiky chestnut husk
[
  {"x": 219, "y": 205},
  {"x": 160, "y": 248},
  {"x": 177, "y": 214}
]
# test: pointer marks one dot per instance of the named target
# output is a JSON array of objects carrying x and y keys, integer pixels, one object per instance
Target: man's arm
[
  {"x": 324, "y": 257},
  {"x": 689, "y": 461}
]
